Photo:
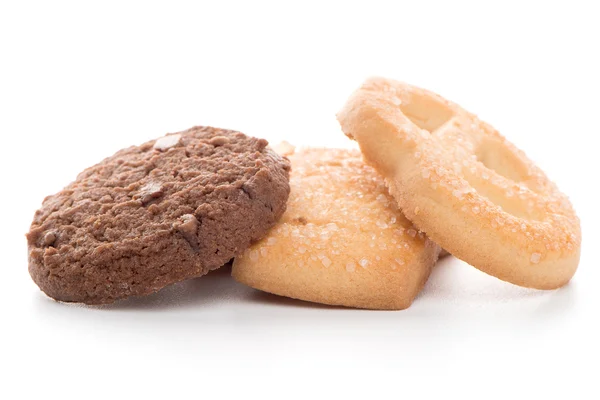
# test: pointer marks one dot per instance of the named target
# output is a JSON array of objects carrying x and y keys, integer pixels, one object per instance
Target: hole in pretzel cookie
[
  {"x": 514, "y": 205},
  {"x": 426, "y": 112},
  {"x": 496, "y": 156}
]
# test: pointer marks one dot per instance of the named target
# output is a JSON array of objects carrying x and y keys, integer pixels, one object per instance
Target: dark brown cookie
[{"x": 155, "y": 214}]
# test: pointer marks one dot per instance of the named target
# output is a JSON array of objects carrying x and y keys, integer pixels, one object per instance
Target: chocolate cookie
[{"x": 155, "y": 214}]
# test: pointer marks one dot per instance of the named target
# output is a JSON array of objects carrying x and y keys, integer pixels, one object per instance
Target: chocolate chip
[
  {"x": 165, "y": 143},
  {"x": 49, "y": 239},
  {"x": 187, "y": 226},
  {"x": 219, "y": 141},
  {"x": 149, "y": 192}
]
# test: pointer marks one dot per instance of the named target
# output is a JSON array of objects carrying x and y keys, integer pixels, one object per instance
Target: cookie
[
  {"x": 462, "y": 182},
  {"x": 155, "y": 214},
  {"x": 342, "y": 240}
]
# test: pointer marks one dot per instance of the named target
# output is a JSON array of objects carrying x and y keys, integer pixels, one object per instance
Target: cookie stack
[{"x": 354, "y": 233}]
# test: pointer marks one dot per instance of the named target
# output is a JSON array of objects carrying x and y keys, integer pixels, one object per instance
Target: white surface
[{"x": 78, "y": 82}]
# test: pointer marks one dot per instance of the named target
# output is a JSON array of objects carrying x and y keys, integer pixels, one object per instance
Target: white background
[{"x": 80, "y": 81}]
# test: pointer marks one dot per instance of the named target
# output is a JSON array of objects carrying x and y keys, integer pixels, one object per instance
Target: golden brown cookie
[
  {"x": 465, "y": 185},
  {"x": 342, "y": 240}
]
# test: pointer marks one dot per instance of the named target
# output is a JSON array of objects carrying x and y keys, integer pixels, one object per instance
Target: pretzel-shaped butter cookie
[{"x": 460, "y": 181}]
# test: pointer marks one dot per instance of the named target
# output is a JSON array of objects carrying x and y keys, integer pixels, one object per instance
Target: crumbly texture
[
  {"x": 465, "y": 185},
  {"x": 342, "y": 241},
  {"x": 155, "y": 214}
]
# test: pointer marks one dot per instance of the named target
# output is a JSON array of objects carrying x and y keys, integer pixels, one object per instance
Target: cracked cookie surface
[{"x": 155, "y": 214}]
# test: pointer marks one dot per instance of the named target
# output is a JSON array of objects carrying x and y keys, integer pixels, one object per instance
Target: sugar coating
[
  {"x": 473, "y": 173},
  {"x": 343, "y": 226},
  {"x": 319, "y": 218},
  {"x": 533, "y": 208},
  {"x": 253, "y": 255}
]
